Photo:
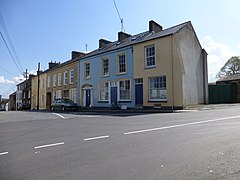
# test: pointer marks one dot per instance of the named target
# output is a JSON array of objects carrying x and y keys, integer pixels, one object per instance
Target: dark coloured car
[
  {"x": 63, "y": 104},
  {"x": 24, "y": 106}
]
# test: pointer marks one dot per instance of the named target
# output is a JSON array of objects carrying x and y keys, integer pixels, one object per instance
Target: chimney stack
[
  {"x": 103, "y": 42},
  {"x": 155, "y": 27},
  {"x": 52, "y": 64},
  {"x": 122, "y": 36},
  {"x": 76, "y": 54}
]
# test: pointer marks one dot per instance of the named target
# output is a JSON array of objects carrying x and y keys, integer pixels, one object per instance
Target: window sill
[
  {"x": 119, "y": 74},
  {"x": 153, "y": 101},
  {"x": 125, "y": 101},
  {"x": 103, "y": 101},
  {"x": 105, "y": 76},
  {"x": 149, "y": 67}
]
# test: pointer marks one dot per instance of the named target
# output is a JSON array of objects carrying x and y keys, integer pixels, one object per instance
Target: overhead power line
[
  {"x": 121, "y": 19},
  {"x": 10, "y": 53},
  {"x": 5, "y": 30},
  {"x": 7, "y": 71}
]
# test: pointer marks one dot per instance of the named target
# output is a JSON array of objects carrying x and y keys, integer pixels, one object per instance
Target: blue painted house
[{"x": 106, "y": 74}]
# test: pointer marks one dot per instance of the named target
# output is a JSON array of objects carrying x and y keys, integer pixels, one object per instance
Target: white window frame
[
  {"x": 71, "y": 76},
  {"x": 59, "y": 79},
  {"x": 65, "y": 82},
  {"x": 105, "y": 69},
  {"x": 48, "y": 81},
  {"x": 73, "y": 94},
  {"x": 120, "y": 64},
  {"x": 150, "y": 56},
  {"x": 124, "y": 88},
  {"x": 54, "y": 80},
  {"x": 159, "y": 89},
  {"x": 104, "y": 91}
]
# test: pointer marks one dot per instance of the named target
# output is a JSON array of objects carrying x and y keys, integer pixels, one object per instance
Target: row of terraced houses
[{"x": 164, "y": 68}]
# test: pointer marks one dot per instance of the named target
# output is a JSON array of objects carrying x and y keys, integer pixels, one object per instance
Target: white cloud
[
  {"x": 218, "y": 54},
  {"x": 5, "y": 81}
]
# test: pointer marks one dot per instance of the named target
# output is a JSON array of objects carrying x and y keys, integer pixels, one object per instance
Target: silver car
[{"x": 63, "y": 104}]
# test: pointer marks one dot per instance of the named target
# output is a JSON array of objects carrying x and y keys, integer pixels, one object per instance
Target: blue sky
[{"x": 48, "y": 30}]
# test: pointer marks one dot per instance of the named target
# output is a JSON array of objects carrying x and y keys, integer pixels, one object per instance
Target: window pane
[{"x": 157, "y": 88}]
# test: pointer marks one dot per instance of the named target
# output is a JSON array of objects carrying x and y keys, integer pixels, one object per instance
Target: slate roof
[
  {"x": 138, "y": 38},
  {"x": 230, "y": 78}
]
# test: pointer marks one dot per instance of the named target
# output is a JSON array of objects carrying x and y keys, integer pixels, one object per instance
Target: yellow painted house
[
  {"x": 170, "y": 68},
  {"x": 62, "y": 80},
  {"x": 41, "y": 81}
]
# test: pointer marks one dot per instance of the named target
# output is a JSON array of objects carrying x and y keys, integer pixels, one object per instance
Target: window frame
[
  {"x": 71, "y": 76},
  {"x": 147, "y": 56},
  {"x": 59, "y": 79},
  {"x": 105, "y": 69},
  {"x": 65, "y": 82},
  {"x": 48, "y": 81},
  {"x": 104, "y": 90},
  {"x": 121, "y": 65},
  {"x": 160, "y": 89},
  {"x": 123, "y": 88},
  {"x": 54, "y": 80},
  {"x": 87, "y": 74}
]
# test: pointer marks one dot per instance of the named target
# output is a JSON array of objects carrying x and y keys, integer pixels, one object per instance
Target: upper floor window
[
  {"x": 87, "y": 70},
  {"x": 71, "y": 77},
  {"x": 54, "y": 80},
  {"x": 48, "y": 81},
  {"x": 59, "y": 79},
  {"x": 121, "y": 64},
  {"x": 65, "y": 78},
  {"x": 150, "y": 56},
  {"x": 105, "y": 67}
]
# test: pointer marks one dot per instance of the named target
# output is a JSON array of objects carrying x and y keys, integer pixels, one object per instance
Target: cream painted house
[
  {"x": 41, "y": 80},
  {"x": 62, "y": 80},
  {"x": 170, "y": 68}
]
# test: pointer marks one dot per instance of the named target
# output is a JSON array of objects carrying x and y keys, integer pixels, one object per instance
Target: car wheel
[{"x": 63, "y": 108}]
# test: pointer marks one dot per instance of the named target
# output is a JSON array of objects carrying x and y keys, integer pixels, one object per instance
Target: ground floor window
[
  {"x": 58, "y": 94},
  {"x": 65, "y": 93},
  {"x": 125, "y": 90},
  {"x": 72, "y": 94},
  {"x": 157, "y": 88},
  {"x": 103, "y": 91}
]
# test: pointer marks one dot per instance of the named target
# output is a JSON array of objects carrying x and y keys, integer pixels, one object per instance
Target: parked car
[
  {"x": 24, "y": 106},
  {"x": 63, "y": 104}
]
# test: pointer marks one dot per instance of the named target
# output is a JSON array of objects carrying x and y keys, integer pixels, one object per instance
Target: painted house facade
[
  {"x": 62, "y": 80},
  {"x": 157, "y": 68},
  {"x": 170, "y": 68},
  {"x": 106, "y": 75}
]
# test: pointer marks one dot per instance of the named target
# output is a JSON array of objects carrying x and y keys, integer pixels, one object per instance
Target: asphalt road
[{"x": 185, "y": 145}]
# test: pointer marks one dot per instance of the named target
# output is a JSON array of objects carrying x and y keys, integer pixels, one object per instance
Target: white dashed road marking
[
  {"x": 49, "y": 145},
  {"x": 3, "y": 153},
  {"x": 94, "y": 138},
  {"x": 180, "y": 125},
  {"x": 59, "y": 115}
]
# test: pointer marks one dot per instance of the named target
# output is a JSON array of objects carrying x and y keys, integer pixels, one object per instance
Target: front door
[
  {"x": 113, "y": 96},
  {"x": 139, "y": 92},
  {"x": 88, "y": 97}
]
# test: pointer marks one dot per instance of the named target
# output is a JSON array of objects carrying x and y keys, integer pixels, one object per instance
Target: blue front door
[
  {"x": 113, "y": 95},
  {"x": 88, "y": 97},
  {"x": 138, "y": 94}
]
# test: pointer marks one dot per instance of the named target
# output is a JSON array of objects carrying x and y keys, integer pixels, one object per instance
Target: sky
[{"x": 49, "y": 30}]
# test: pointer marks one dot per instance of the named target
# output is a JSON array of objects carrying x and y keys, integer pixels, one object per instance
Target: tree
[{"x": 232, "y": 66}]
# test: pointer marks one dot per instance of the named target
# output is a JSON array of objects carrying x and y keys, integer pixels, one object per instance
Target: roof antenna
[{"x": 121, "y": 19}]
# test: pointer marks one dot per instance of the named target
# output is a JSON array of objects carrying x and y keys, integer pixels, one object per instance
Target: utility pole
[
  {"x": 25, "y": 97},
  {"x": 38, "y": 73}
]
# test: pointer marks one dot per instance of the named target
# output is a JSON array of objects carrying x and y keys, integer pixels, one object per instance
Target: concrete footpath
[{"x": 204, "y": 107}]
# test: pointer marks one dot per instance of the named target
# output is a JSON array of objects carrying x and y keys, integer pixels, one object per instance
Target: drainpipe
[{"x": 172, "y": 73}]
